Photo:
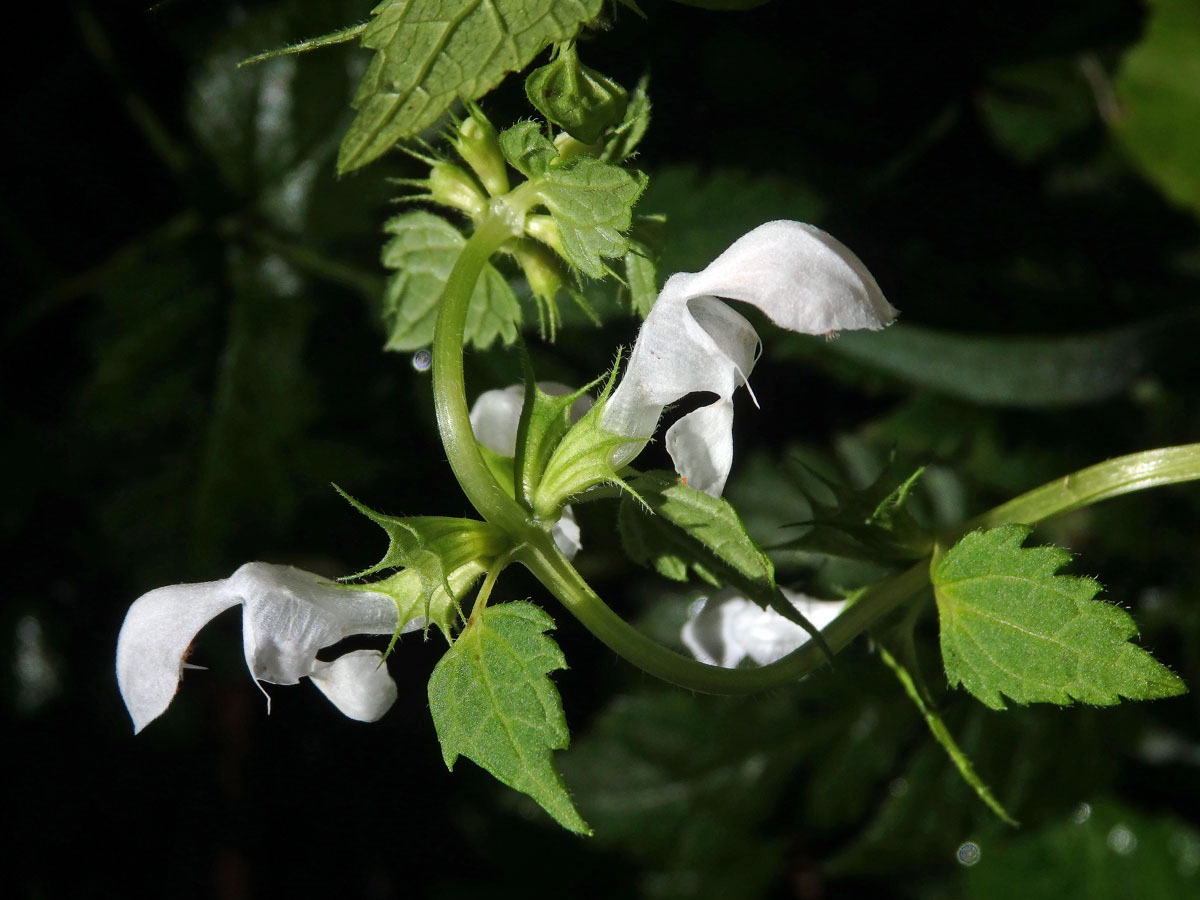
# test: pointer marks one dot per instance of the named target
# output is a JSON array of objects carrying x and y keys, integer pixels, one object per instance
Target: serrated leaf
[
  {"x": 687, "y": 783},
  {"x": 272, "y": 129},
  {"x": 431, "y": 52},
  {"x": 624, "y": 139},
  {"x": 423, "y": 250},
  {"x": 492, "y": 702},
  {"x": 870, "y": 523},
  {"x": 441, "y": 558},
  {"x": 527, "y": 149},
  {"x": 592, "y": 204},
  {"x": 1158, "y": 87},
  {"x": 676, "y": 530},
  {"x": 1011, "y": 627}
]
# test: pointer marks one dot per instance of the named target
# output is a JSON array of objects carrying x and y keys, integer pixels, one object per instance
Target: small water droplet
[
  {"x": 1082, "y": 813},
  {"x": 968, "y": 854},
  {"x": 422, "y": 360},
  {"x": 1121, "y": 840}
]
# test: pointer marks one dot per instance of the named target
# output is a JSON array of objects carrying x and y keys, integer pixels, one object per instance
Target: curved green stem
[
  {"x": 1123, "y": 475},
  {"x": 545, "y": 561},
  {"x": 536, "y": 550},
  {"x": 449, "y": 388},
  {"x": 1138, "y": 471}
]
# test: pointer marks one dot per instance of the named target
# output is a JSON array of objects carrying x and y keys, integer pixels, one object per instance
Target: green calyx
[
  {"x": 437, "y": 560},
  {"x": 577, "y": 459},
  {"x": 579, "y": 100}
]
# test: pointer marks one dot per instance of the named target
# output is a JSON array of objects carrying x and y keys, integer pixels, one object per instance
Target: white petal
[
  {"x": 156, "y": 634},
  {"x": 686, "y": 345},
  {"x": 803, "y": 279},
  {"x": 706, "y": 632},
  {"x": 291, "y": 614},
  {"x": 701, "y": 446},
  {"x": 358, "y": 683},
  {"x": 494, "y": 418},
  {"x": 729, "y": 628},
  {"x": 496, "y": 414},
  {"x": 566, "y": 533}
]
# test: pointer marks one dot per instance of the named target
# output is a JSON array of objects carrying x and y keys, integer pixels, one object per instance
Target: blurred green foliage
[{"x": 195, "y": 351}]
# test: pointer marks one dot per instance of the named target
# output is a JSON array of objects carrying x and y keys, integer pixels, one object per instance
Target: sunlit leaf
[
  {"x": 428, "y": 53},
  {"x": 492, "y": 703},
  {"x": 1011, "y": 626}
]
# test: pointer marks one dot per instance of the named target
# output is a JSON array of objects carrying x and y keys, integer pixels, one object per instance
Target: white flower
[
  {"x": 287, "y": 616},
  {"x": 803, "y": 279},
  {"x": 725, "y": 628},
  {"x": 495, "y": 416}
]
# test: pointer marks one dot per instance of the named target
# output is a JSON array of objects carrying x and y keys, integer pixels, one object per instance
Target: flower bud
[
  {"x": 545, "y": 229},
  {"x": 542, "y": 270},
  {"x": 451, "y": 186},
  {"x": 577, "y": 99},
  {"x": 476, "y": 141}
]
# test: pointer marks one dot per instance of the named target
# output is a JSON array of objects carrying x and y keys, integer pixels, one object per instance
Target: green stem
[
  {"x": 942, "y": 735},
  {"x": 1123, "y": 475},
  {"x": 1138, "y": 471},
  {"x": 544, "y": 560},
  {"x": 449, "y": 388}
]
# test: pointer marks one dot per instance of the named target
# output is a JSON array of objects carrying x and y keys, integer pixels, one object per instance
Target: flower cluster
[{"x": 692, "y": 341}]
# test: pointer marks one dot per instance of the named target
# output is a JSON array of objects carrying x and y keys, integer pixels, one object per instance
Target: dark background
[{"x": 189, "y": 361}]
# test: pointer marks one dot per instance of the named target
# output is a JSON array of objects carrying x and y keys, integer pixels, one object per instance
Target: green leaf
[
  {"x": 592, "y": 204},
  {"x": 1010, "y": 626},
  {"x": 423, "y": 250},
  {"x": 1158, "y": 89},
  {"x": 870, "y": 523},
  {"x": 431, "y": 52},
  {"x": 677, "y": 531},
  {"x": 1102, "y": 851},
  {"x": 527, "y": 149},
  {"x": 272, "y": 129},
  {"x": 1025, "y": 372},
  {"x": 625, "y": 138},
  {"x": 492, "y": 703},
  {"x": 687, "y": 783},
  {"x": 441, "y": 558},
  {"x": 1033, "y": 107}
]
